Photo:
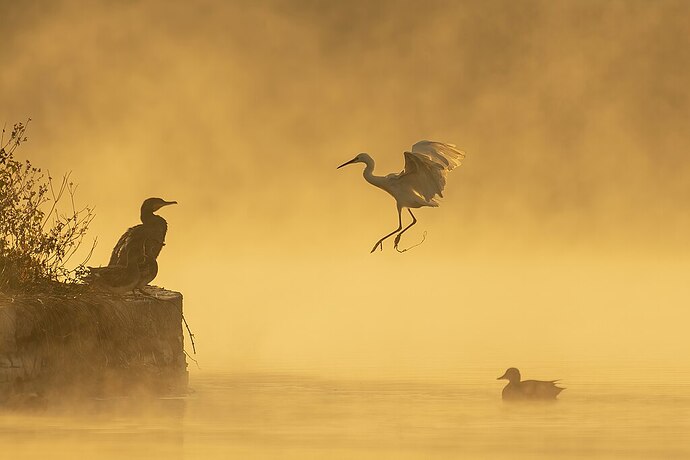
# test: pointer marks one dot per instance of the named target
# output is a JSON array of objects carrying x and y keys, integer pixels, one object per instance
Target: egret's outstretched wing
[
  {"x": 445, "y": 155},
  {"x": 426, "y": 167}
]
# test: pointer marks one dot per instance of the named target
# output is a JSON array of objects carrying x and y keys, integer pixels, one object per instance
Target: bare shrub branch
[{"x": 37, "y": 237}]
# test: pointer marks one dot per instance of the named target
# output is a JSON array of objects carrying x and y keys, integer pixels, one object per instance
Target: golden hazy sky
[{"x": 573, "y": 115}]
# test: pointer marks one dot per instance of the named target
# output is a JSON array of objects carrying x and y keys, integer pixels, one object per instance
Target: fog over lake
[{"x": 560, "y": 246}]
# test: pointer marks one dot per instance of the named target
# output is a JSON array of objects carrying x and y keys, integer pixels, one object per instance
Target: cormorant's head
[
  {"x": 512, "y": 375},
  {"x": 154, "y": 204},
  {"x": 360, "y": 158}
]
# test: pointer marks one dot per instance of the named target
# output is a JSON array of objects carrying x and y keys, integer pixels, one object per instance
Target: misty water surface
[
  {"x": 266, "y": 416},
  {"x": 560, "y": 246}
]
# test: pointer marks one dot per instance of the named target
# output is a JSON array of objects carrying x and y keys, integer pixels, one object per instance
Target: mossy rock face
[{"x": 91, "y": 345}]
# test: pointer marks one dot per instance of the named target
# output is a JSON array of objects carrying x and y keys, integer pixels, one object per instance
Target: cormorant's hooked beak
[
  {"x": 162, "y": 203},
  {"x": 354, "y": 160}
]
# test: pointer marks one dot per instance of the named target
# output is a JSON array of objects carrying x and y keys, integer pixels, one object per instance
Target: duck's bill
[
  {"x": 346, "y": 163},
  {"x": 501, "y": 377}
]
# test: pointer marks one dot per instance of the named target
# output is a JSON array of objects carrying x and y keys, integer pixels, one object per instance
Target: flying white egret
[{"x": 423, "y": 177}]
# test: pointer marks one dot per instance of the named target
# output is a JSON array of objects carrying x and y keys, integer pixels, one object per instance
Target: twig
[
  {"x": 57, "y": 197},
  {"x": 88, "y": 257},
  {"x": 184, "y": 320},
  {"x": 189, "y": 331},
  {"x": 195, "y": 361}
]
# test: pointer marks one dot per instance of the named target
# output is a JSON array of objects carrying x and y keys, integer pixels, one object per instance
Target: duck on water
[{"x": 527, "y": 390}]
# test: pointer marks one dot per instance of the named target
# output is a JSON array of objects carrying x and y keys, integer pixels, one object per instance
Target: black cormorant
[{"x": 150, "y": 235}]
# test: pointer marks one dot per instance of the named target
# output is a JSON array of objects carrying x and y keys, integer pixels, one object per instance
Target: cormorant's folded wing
[{"x": 119, "y": 254}]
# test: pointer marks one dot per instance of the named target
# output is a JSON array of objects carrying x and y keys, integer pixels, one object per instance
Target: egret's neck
[{"x": 369, "y": 173}]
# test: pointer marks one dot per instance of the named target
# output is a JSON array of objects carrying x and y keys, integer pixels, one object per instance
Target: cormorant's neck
[{"x": 149, "y": 217}]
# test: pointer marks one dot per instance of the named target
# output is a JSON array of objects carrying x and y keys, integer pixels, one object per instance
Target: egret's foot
[
  {"x": 397, "y": 240},
  {"x": 413, "y": 246}
]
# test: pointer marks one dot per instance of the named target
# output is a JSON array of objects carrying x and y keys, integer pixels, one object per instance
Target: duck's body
[
  {"x": 531, "y": 389},
  {"x": 518, "y": 389},
  {"x": 150, "y": 235}
]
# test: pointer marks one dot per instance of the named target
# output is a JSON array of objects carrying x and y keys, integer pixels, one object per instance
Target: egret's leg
[
  {"x": 380, "y": 242},
  {"x": 397, "y": 238}
]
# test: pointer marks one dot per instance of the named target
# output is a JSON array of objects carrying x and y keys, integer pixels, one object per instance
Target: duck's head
[
  {"x": 152, "y": 205},
  {"x": 360, "y": 158},
  {"x": 511, "y": 374}
]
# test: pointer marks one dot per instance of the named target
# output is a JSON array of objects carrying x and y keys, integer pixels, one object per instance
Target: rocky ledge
[{"x": 91, "y": 345}]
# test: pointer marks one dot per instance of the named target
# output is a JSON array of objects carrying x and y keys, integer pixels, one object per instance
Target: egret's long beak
[{"x": 346, "y": 163}]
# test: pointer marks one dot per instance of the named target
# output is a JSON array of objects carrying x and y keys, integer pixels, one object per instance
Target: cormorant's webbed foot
[{"x": 144, "y": 293}]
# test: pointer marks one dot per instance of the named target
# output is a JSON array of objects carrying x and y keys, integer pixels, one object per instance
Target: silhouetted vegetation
[
  {"x": 40, "y": 226},
  {"x": 96, "y": 344}
]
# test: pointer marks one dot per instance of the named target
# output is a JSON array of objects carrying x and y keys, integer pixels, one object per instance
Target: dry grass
[{"x": 96, "y": 344}]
